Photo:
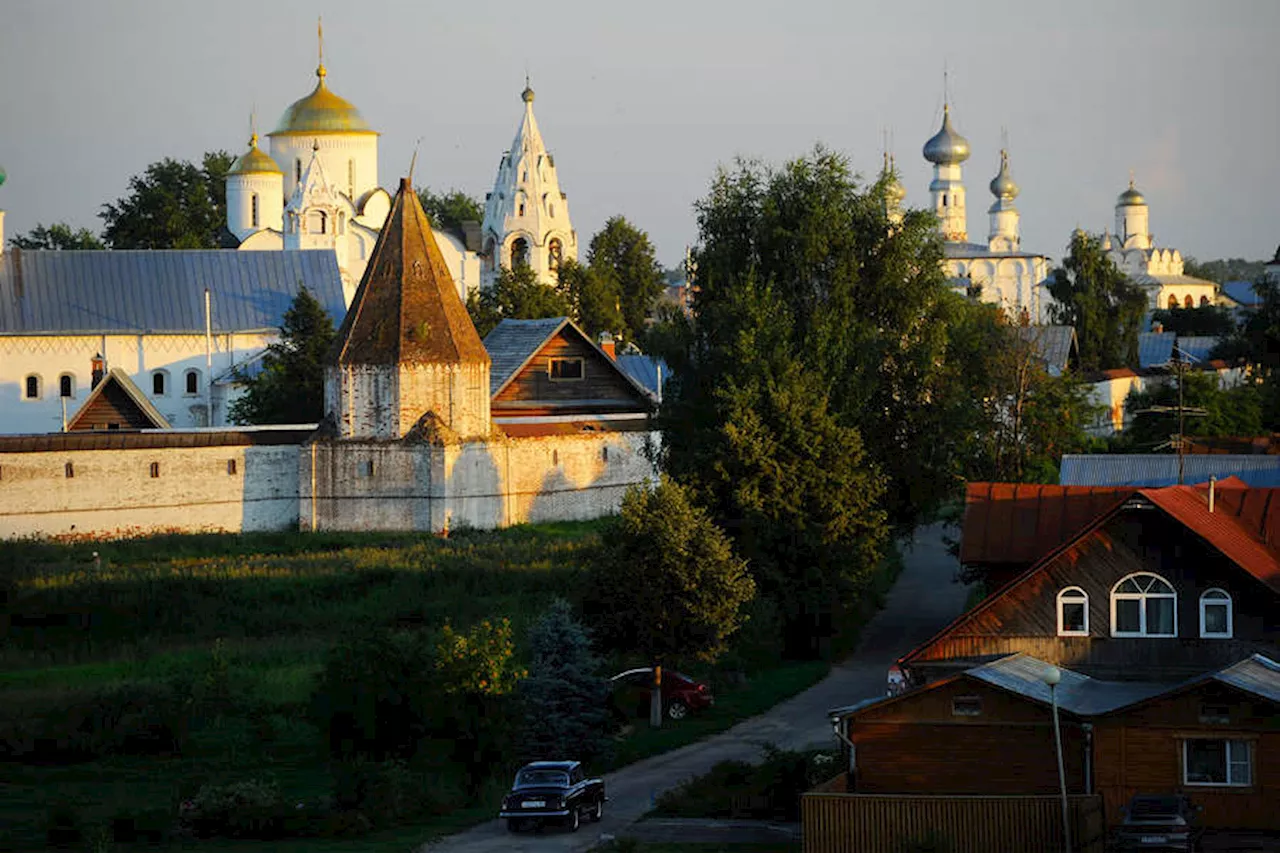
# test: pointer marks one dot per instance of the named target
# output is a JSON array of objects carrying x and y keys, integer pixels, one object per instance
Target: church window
[
  {"x": 68, "y": 471},
  {"x": 253, "y": 202},
  {"x": 66, "y": 385},
  {"x": 520, "y": 209},
  {"x": 297, "y": 169},
  {"x": 1189, "y": 302},
  {"x": 158, "y": 383},
  {"x": 351, "y": 178},
  {"x": 944, "y": 199},
  {"x": 155, "y": 470},
  {"x": 1204, "y": 302},
  {"x": 524, "y": 176},
  {"x": 32, "y": 387},
  {"x": 193, "y": 381},
  {"x": 231, "y": 467},
  {"x": 520, "y": 252},
  {"x": 565, "y": 369},
  {"x": 1173, "y": 302},
  {"x": 318, "y": 222},
  {"x": 604, "y": 454},
  {"x": 554, "y": 253},
  {"x": 551, "y": 209}
]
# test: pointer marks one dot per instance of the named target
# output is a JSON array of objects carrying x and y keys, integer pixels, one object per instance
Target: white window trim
[
  {"x": 1062, "y": 632},
  {"x": 1217, "y": 602},
  {"x": 186, "y": 374},
  {"x": 72, "y": 377},
  {"x": 39, "y": 388},
  {"x": 1142, "y": 611},
  {"x": 1230, "y": 742},
  {"x": 167, "y": 386}
]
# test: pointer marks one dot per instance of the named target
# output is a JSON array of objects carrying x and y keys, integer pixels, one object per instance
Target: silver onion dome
[
  {"x": 946, "y": 147},
  {"x": 1002, "y": 185}
]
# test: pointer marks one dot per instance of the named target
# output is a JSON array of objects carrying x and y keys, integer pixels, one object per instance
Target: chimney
[
  {"x": 97, "y": 365},
  {"x": 1213, "y": 481},
  {"x": 1157, "y": 327},
  {"x": 607, "y": 344}
]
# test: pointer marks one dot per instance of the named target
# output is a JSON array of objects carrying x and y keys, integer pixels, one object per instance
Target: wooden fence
[{"x": 880, "y": 823}]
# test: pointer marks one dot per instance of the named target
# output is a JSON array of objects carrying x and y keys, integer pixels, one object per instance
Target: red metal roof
[
  {"x": 1019, "y": 523},
  {"x": 1241, "y": 526}
]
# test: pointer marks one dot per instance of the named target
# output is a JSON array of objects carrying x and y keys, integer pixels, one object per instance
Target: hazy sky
[{"x": 640, "y": 101}]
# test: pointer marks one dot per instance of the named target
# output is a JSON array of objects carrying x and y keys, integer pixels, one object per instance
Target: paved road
[{"x": 922, "y": 601}]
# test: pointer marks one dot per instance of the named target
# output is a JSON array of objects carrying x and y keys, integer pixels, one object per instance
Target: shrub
[
  {"x": 251, "y": 808},
  {"x": 62, "y": 826}
]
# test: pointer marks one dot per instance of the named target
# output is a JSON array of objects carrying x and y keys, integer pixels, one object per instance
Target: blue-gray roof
[
  {"x": 644, "y": 371},
  {"x": 95, "y": 292},
  {"x": 1257, "y": 674},
  {"x": 1155, "y": 348},
  {"x": 1053, "y": 344},
  {"x": 1197, "y": 348},
  {"x": 1242, "y": 293},
  {"x": 1161, "y": 469},
  {"x": 513, "y": 342}
]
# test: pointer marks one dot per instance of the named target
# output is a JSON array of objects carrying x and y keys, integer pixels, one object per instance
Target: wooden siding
[
  {"x": 113, "y": 406},
  {"x": 1141, "y": 752},
  {"x": 854, "y": 823},
  {"x": 1025, "y": 618},
  {"x": 602, "y": 387}
]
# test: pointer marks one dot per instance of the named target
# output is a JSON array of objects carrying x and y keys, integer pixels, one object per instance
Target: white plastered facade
[{"x": 1157, "y": 271}]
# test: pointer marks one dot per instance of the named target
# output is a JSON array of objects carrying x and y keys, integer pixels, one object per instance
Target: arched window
[
  {"x": 1215, "y": 614},
  {"x": 253, "y": 201},
  {"x": 1144, "y": 605},
  {"x": 318, "y": 222},
  {"x": 66, "y": 385},
  {"x": 944, "y": 199},
  {"x": 520, "y": 208},
  {"x": 32, "y": 389},
  {"x": 193, "y": 381},
  {"x": 1173, "y": 302},
  {"x": 1189, "y": 302},
  {"x": 519, "y": 253},
  {"x": 554, "y": 253},
  {"x": 351, "y": 179},
  {"x": 1073, "y": 612},
  {"x": 158, "y": 383}
]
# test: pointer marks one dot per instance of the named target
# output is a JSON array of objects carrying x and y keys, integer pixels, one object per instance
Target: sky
[{"x": 641, "y": 102}]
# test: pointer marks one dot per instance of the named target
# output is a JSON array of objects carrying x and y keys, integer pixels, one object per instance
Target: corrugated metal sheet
[
  {"x": 48, "y": 292},
  {"x": 1257, "y": 675},
  {"x": 1159, "y": 469},
  {"x": 513, "y": 342},
  {"x": 1242, "y": 293},
  {"x": 1197, "y": 348},
  {"x": 1155, "y": 348},
  {"x": 1077, "y": 694},
  {"x": 643, "y": 370},
  {"x": 1019, "y": 523},
  {"x": 1054, "y": 345}
]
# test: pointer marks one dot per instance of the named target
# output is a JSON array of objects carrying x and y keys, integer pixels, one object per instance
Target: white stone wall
[
  {"x": 342, "y": 155},
  {"x": 241, "y": 190},
  {"x": 49, "y": 357},
  {"x": 1013, "y": 282},
  {"x": 112, "y": 493},
  {"x": 385, "y": 402}
]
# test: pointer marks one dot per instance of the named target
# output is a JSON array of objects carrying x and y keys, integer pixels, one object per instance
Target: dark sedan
[
  {"x": 1159, "y": 822},
  {"x": 552, "y": 792}
]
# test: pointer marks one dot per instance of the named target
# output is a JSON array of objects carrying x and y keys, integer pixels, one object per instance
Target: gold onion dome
[
  {"x": 321, "y": 112},
  {"x": 1002, "y": 185},
  {"x": 253, "y": 160},
  {"x": 527, "y": 94},
  {"x": 946, "y": 147},
  {"x": 1130, "y": 196},
  {"x": 893, "y": 189}
]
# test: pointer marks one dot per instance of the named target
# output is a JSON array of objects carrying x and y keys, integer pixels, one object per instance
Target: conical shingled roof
[{"x": 407, "y": 309}]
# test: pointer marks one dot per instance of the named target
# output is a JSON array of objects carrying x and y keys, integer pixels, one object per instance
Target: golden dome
[
  {"x": 253, "y": 160},
  {"x": 321, "y": 112}
]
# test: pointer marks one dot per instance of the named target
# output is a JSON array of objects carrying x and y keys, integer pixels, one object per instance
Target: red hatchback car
[{"x": 680, "y": 693}]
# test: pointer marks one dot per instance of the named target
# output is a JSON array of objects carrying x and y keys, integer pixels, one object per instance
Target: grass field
[{"x": 254, "y": 616}]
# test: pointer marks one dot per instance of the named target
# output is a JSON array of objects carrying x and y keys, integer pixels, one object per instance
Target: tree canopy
[
  {"x": 594, "y": 299},
  {"x": 517, "y": 294},
  {"x": 290, "y": 387},
  {"x": 1224, "y": 270},
  {"x": 1212, "y": 320},
  {"x": 448, "y": 210},
  {"x": 1106, "y": 309},
  {"x": 622, "y": 256},
  {"x": 172, "y": 205},
  {"x": 58, "y": 236},
  {"x": 1228, "y": 411}
]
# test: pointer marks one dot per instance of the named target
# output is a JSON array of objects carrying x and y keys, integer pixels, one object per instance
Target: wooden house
[{"x": 116, "y": 403}]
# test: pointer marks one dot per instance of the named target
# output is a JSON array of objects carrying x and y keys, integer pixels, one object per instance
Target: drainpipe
[
  {"x": 1213, "y": 481},
  {"x": 1088, "y": 757},
  {"x": 208, "y": 360}
]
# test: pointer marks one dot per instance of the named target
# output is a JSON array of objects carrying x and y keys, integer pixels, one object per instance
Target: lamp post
[{"x": 1051, "y": 677}]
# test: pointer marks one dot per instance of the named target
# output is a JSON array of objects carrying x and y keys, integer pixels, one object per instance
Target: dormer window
[
  {"x": 1215, "y": 615},
  {"x": 1144, "y": 605}
]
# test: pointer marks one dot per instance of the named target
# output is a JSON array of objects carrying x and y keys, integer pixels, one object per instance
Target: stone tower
[
  {"x": 407, "y": 354},
  {"x": 526, "y": 216}
]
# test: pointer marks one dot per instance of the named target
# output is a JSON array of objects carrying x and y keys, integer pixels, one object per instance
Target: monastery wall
[{"x": 112, "y": 493}]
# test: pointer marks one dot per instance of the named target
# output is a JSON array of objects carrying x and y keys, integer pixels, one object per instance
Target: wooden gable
[
  {"x": 567, "y": 374},
  {"x": 116, "y": 404},
  {"x": 1023, "y": 615}
]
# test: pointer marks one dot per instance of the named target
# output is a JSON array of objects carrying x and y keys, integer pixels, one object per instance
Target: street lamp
[{"x": 1051, "y": 677}]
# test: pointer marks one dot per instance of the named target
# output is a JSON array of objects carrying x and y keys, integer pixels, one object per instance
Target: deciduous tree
[
  {"x": 623, "y": 257},
  {"x": 58, "y": 236},
  {"x": 173, "y": 205},
  {"x": 517, "y": 294},
  {"x": 594, "y": 299},
  {"x": 1106, "y": 309},
  {"x": 448, "y": 210},
  {"x": 290, "y": 386}
]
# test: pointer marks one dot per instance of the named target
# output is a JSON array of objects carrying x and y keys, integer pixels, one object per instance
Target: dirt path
[{"x": 922, "y": 601}]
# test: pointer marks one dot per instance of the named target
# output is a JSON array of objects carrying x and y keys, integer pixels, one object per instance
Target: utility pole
[{"x": 1178, "y": 440}]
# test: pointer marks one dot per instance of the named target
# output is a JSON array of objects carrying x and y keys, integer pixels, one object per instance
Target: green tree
[
  {"x": 1212, "y": 320},
  {"x": 1224, "y": 270},
  {"x": 173, "y": 205},
  {"x": 564, "y": 702},
  {"x": 58, "y": 236},
  {"x": 447, "y": 211},
  {"x": 1105, "y": 308},
  {"x": 1256, "y": 344},
  {"x": 1229, "y": 411},
  {"x": 666, "y": 582},
  {"x": 290, "y": 387},
  {"x": 517, "y": 294},
  {"x": 623, "y": 257},
  {"x": 594, "y": 299}
]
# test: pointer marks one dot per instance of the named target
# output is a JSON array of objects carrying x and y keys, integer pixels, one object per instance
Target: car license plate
[
  {"x": 533, "y": 804},
  {"x": 1155, "y": 839}
]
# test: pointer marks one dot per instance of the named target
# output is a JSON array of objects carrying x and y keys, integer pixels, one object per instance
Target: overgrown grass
[{"x": 736, "y": 789}]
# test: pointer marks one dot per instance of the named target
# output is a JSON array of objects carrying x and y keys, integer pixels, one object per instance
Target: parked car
[
  {"x": 1159, "y": 822},
  {"x": 680, "y": 693},
  {"x": 552, "y": 792}
]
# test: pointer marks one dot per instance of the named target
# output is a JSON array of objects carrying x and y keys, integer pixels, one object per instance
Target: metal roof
[
  {"x": 1021, "y": 522},
  {"x": 1161, "y": 469},
  {"x": 57, "y": 442},
  {"x": 1053, "y": 344},
  {"x": 127, "y": 291},
  {"x": 1155, "y": 348},
  {"x": 1257, "y": 674},
  {"x": 644, "y": 370},
  {"x": 513, "y": 342},
  {"x": 1197, "y": 348},
  {"x": 1242, "y": 293}
]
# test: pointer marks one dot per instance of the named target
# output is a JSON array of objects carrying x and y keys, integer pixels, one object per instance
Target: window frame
[
  {"x": 187, "y": 376},
  {"x": 1232, "y": 744},
  {"x": 67, "y": 380},
  {"x": 1226, "y": 601},
  {"x": 1142, "y": 598},
  {"x": 163, "y": 378},
  {"x": 966, "y": 706},
  {"x": 552, "y": 361},
  {"x": 27, "y": 385},
  {"x": 1083, "y": 599}
]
